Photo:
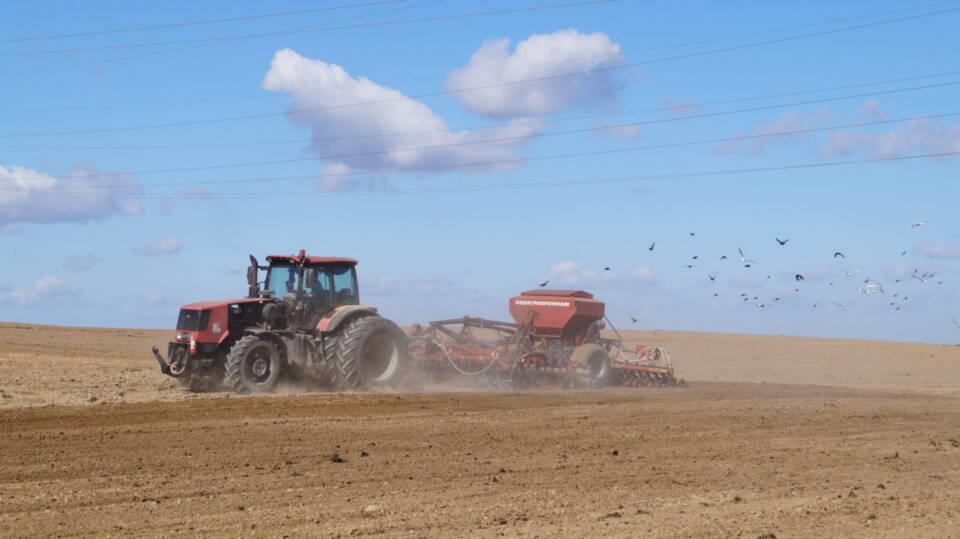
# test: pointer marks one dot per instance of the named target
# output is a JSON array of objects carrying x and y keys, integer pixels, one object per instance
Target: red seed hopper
[{"x": 555, "y": 338}]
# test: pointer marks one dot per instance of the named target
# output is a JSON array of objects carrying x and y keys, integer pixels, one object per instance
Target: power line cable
[
  {"x": 475, "y": 88},
  {"x": 492, "y": 126},
  {"x": 198, "y": 23},
  {"x": 419, "y": 79},
  {"x": 195, "y": 47},
  {"x": 512, "y": 138},
  {"x": 326, "y": 29},
  {"x": 738, "y": 138},
  {"x": 566, "y": 183}
]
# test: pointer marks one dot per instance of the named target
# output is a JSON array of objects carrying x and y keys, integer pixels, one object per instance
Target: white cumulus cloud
[
  {"x": 86, "y": 194},
  {"x": 343, "y": 130},
  {"x": 46, "y": 287},
  {"x": 165, "y": 246},
  {"x": 496, "y": 73}
]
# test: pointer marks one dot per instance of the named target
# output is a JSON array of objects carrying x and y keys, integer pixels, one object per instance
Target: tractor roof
[
  {"x": 564, "y": 293},
  {"x": 312, "y": 259}
]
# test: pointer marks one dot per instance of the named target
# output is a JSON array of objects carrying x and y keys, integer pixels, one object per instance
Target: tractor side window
[
  {"x": 318, "y": 289},
  {"x": 344, "y": 285}
]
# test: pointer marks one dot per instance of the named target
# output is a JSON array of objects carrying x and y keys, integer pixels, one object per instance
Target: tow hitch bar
[{"x": 164, "y": 366}]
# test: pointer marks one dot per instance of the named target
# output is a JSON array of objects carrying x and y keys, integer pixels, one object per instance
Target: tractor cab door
[
  {"x": 345, "y": 290},
  {"x": 317, "y": 286}
]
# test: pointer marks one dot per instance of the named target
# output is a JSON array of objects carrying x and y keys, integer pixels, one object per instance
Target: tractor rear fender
[{"x": 332, "y": 320}]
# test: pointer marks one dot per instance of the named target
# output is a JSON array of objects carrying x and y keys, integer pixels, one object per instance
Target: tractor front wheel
[
  {"x": 371, "y": 354},
  {"x": 253, "y": 365}
]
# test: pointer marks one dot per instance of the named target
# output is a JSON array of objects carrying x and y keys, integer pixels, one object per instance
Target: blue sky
[{"x": 98, "y": 230}]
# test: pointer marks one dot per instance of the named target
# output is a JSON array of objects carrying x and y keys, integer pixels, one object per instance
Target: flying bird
[
  {"x": 918, "y": 224},
  {"x": 838, "y": 254},
  {"x": 782, "y": 242},
  {"x": 851, "y": 272},
  {"x": 544, "y": 283},
  {"x": 798, "y": 276},
  {"x": 652, "y": 245},
  {"x": 902, "y": 253},
  {"x": 688, "y": 266},
  {"x": 872, "y": 288},
  {"x": 606, "y": 268},
  {"x": 712, "y": 277},
  {"x": 715, "y": 294},
  {"x": 723, "y": 257},
  {"x": 692, "y": 234},
  {"x": 955, "y": 324},
  {"x": 761, "y": 305},
  {"x": 744, "y": 259},
  {"x": 634, "y": 319},
  {"x": 842, "y": 306}
]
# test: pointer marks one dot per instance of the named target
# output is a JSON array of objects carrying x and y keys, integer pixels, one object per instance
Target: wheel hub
[{"x": 259, "y": 367}]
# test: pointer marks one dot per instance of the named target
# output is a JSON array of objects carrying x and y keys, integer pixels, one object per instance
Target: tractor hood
[{"x": 204, "y": 305}]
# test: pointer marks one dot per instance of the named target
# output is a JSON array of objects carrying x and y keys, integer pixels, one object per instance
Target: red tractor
[{"x": 305, "y": 323}]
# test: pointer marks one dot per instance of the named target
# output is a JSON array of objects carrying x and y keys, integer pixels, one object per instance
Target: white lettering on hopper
[{"x": 543, "y": 303}]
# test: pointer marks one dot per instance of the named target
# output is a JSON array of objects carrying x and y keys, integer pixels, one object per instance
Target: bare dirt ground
[{"x": 775, "y": 435}]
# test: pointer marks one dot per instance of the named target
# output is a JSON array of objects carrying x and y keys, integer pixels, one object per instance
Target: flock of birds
[{"x": 868, "y": 286}]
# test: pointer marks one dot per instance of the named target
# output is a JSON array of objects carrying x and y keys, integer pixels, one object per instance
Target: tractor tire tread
[
  {"x": 234, "y": 362},
  {"x": 350, "y": 338}
]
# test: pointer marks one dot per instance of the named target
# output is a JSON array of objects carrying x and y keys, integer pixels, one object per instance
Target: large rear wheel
[
  {"x": 371, "y": 354},
  {"x": 591, "y": 366},
  {"x": 253, "y": 365}
]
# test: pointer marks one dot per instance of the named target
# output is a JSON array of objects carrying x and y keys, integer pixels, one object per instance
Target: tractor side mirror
[{"x": 254, "y": 286}]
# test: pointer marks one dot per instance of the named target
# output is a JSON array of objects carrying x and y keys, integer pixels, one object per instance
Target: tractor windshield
[
  {"x": 326, "y": 284},
  {"x": 282, "y": 280}
]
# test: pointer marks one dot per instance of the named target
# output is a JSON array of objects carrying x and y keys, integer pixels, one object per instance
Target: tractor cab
[{"x": 306, "y": 286}]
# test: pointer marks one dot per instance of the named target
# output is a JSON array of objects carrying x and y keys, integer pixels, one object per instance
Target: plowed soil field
[{"x": 775, "y": 436}]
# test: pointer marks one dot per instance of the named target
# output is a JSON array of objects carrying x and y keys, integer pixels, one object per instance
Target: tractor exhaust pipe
[{"x": 164, "y": 366}]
